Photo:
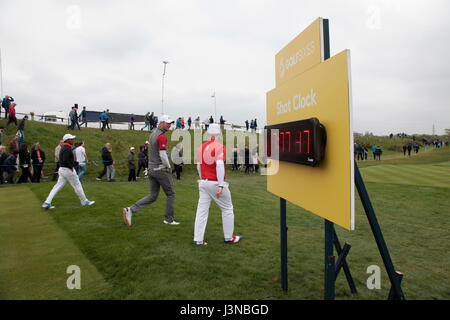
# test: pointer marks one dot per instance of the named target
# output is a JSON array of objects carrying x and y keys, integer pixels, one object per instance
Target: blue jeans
[{"x": 81, "y": 172}]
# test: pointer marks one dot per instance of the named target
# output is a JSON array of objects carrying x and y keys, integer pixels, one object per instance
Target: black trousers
[
  {"x": 132, "y": 175},
  {"x": 6, "y": 113},
  {"x": 178, "y": 169},
  {"x": 25, "y": 176},
  {"x": 103, "y": 125},
  {"x": 10, "y": 176},
  {"x": 12, "y": 119},
  {"x": 141, "y": 166},
  {"x": 103, "y": 172},
  {"x": 2, "y": 171},
  {"x": 37, "y": 171}
]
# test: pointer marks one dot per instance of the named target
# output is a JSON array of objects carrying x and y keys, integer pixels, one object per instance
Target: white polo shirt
[{"x": 80, "y": 155}]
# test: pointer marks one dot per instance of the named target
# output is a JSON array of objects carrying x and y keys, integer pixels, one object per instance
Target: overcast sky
[{"x": 107, "y": 53}]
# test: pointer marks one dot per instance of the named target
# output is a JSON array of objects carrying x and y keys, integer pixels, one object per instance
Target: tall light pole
[
  {"x": 162, "y": 100},
  {"x": 215, "y": 108}
]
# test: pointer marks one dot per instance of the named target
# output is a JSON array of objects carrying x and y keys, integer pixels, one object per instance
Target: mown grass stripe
[
  {"x": 417, "y": 175},
  {"x": 35, "y": 254}
]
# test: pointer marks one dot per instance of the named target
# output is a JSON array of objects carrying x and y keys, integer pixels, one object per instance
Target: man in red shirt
[{"x": 211, "y": 158}]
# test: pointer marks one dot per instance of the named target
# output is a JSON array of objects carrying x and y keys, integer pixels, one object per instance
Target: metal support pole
[
  {"x": 394, "y": 276},
  {"x": 345, "y": 266},
  {"x": 329, "y": 261},
  {"x": 162, "y": 100},
  {"x": 283, "y": 245}
]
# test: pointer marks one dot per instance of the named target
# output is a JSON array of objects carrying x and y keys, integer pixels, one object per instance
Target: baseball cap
[
  {"x": 214, "y": 129},
  {"x": 132, "y": 148},
  {"x": 68, "y": 136},
  {"x": 166, "y": 118}
]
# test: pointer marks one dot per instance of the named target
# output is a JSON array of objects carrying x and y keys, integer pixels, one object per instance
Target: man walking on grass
[
  {"x": 211, "y": 158},
  {"x": 159, "y": 173},
  {"x": 67, "y": 174}
]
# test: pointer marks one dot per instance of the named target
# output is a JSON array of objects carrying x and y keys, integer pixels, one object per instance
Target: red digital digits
[
  {"x": 300, "y": 142},
  {"x": 303, "y": 135}
]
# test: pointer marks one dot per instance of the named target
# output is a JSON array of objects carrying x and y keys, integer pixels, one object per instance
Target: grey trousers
[
  {"x": 110, "y": 172},
  {"x": 158, "y": 179}
]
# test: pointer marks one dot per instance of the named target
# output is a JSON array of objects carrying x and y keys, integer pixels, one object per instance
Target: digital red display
[{"x": 298, "y": 141}]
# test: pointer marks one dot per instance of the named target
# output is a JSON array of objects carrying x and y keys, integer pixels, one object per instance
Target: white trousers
[
  {"x": 207, "y": 191},
  {"x": 67, "y": 176}
]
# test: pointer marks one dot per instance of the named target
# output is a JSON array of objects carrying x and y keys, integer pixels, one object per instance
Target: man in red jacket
[{"x": 211, "y": 158}]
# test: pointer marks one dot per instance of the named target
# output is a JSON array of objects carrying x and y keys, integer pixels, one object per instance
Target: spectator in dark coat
[
  {"x": 3, "y": 157},
  {"x": 10, "y": 167},
  {"x": 106, "y": 159},
  {"x": 409, "y": 149},
  {"x": 5, "y": 105},
  {"x": 235, "y": 159},
  {"x": 247, "y": 159},
  {"x": 108, "y": 119},
  {"x": 132, "y": 122},
  {"x": 21, "y": 130},
  {"x": 25, "y": 164},
  {"x": 131, "y": 165},
  {"x": 142, "y": 160},
  {"x": 83, "y": 117},
  {"x": 37, "y": 159}
]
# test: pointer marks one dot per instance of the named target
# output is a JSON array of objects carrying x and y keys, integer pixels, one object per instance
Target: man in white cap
[
  {"x": 159, "y": 173},
  {"x": 67, "y": 174},
  {"x": 211, "y": 158}
]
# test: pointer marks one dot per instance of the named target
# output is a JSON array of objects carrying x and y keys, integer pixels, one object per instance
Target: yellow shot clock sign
[{"x": 311, "y": 108}]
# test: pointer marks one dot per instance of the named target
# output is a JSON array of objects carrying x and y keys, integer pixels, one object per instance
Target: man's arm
[
  {"x": 199, "y": 170},
  {"x": 162, "y": 144},
  {"x": 164, "y": 158}
]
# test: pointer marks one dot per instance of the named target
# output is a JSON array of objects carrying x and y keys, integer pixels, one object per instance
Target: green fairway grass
[
  {"x": 421, "y": 175},
  {"x": 150, "y": 260},
  {"x": 35, "y": 254}
]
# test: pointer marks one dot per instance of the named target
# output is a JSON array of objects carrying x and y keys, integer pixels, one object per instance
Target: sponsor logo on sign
[{"x": 297, "y": 57}]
